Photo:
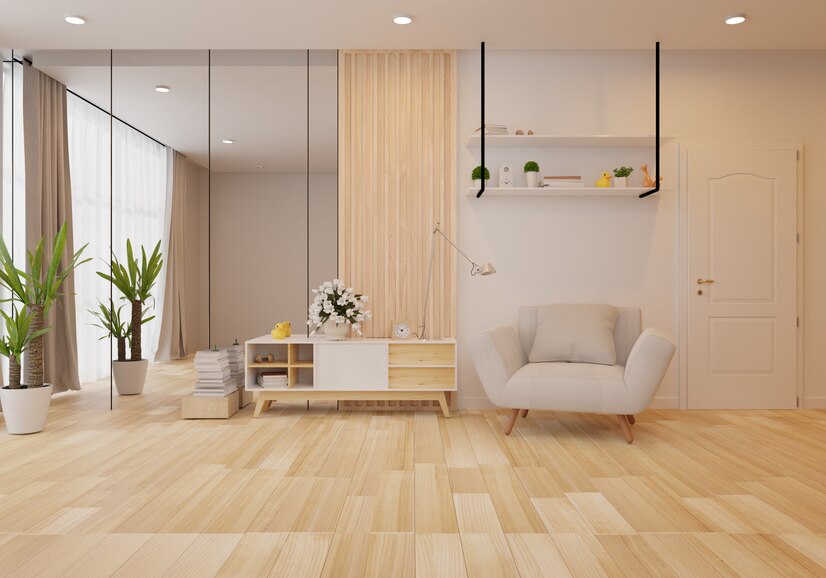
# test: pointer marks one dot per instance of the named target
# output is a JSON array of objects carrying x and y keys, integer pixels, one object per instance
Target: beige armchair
[{"x": 626, "y": 388}]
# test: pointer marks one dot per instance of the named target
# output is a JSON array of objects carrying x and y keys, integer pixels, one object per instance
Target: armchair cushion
[
  {"x": 581, "y": 333},
  {"x": 583, "y": 387}
]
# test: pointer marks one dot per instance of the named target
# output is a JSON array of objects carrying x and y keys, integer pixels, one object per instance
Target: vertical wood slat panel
[{"x": 397, "y": 176}]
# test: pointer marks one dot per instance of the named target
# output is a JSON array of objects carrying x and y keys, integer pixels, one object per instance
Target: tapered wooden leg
[
  {"x": 524, "y": 413},
  {"x": 626, "y": 428},
  {"x": 444, "y": 406},
  {"x": 511, "y": 421},
  {"x": 631, "y": 419},
  {"x": 259, "y": 405}
]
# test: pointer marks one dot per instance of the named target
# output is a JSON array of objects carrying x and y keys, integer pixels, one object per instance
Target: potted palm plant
[
  {"x": 135, "y": 280},
  {"x": 36, "y": 289},
  {"x": 109, "y": 319},
  {"x": 25, "y": 410}
]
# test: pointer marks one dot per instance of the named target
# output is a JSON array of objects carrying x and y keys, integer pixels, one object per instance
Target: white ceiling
[
  {"x": 603, "y": 24},
  {"x": 258, "y": 99}
]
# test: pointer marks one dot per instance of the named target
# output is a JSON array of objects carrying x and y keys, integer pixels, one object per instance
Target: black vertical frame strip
[
  {"x": 209, "y": 199},
  {"x": 482, "y": 129},
  {"x": 11, "y": 65},
  {"x": 111, "y": 215},
  {"x": 656, "y": 188},
  {"x": 308, "y": 189}
]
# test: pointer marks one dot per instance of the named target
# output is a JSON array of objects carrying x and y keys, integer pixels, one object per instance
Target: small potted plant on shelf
[
  {"x": 337, "y": 308},
  {"x": 135, "y": 280},
  {"x": 621, "y": 176},
  {"x": 26, "y": 405},
  {"x": 477, "y": 176},
  {"x": 531, "y": 173}
]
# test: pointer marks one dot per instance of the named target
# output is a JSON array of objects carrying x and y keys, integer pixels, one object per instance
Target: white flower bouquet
[{"x": 337, "y": 303}]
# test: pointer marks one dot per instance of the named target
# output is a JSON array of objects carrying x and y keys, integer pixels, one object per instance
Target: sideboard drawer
[{"x": 351, "y": 366}]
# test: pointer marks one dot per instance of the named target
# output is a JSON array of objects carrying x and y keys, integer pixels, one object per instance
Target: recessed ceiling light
[
  {"x": 76, "y": 20},
  {"x": 735, "y": 19},
  {"x": 228, "y": 141},
  {"x": 162, "y": 88},
  {"x": 403, "y": 20}
]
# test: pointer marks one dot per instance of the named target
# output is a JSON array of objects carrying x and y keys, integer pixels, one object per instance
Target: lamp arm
[
  {"x": 436, "y": 229},
  {"x": 469, "y": 260}
]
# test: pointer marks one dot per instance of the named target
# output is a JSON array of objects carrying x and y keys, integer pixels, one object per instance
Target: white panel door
[
  {"x": 350, "y": 366},
  {"x": 742, "y": 275}
]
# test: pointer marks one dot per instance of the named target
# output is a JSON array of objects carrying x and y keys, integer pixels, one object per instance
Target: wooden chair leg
[
  {"x": 524, "y": 413},
  {"x": 631, "y": 419},
  {"x": 626, "y": 428},
  {"x": 511, "y": 421}
]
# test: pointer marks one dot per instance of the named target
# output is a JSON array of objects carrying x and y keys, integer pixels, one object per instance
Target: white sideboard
[{"x": 353, "y": 369}]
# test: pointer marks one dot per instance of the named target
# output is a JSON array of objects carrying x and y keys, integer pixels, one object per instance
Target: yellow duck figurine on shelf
[
  {"x": 605, "y": 181},
  {"x": 281, "y": 330}
]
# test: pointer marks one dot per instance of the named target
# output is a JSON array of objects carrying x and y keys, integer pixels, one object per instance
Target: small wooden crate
[
  {"x": 209, "y": 407},
  {"x": 245, "y": 398}
]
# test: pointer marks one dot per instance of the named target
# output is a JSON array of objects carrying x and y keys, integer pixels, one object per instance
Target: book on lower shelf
[
  {"x": 562, "y": 181},
  {"x": 272, "y": 379}
]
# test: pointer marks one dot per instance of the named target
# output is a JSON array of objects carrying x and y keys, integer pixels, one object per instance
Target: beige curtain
[
  {"x": 172, "y": 338},
  {"x": 48, "y": 205}
]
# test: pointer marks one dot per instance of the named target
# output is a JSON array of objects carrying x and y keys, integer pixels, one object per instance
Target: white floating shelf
[
  {"x": 556, "y": 141},
  {"x": 518, "y": 192}
]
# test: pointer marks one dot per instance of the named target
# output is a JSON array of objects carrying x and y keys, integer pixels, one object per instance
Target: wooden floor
[{"x": 139, "y": 492}]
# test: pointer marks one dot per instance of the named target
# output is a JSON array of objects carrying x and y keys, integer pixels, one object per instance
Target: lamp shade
[{"x": 487, "y": 269}]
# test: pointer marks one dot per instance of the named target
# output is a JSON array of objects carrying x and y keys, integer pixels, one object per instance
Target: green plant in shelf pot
[
  {"x": 135, "y": 279},
  {"x": 621, "y": 175},
  {"x": 476, "y": 175},
  {"x": 531, "y": 173},
  {"x": 26, "y": 407}
]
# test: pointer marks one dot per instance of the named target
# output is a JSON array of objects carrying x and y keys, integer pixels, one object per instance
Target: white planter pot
[
  {"x": 621, "y": 182},
  {"x": 477, "y": 183},
  {"x": 130, "y": 376},
  {"x": 26, "y": 410},
  {"x": 336, "y": 331},
  {"x": 532, "y": 178}
]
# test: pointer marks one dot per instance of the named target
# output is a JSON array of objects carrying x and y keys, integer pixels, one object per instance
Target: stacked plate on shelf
[
  {"x": 272, "y": 379},
  {"x": 214, "y": 376}
]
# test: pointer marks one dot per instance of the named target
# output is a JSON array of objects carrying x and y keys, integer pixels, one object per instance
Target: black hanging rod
[
  {"x": 482, "y": 130},
  {"x": 656, "y": 188}
]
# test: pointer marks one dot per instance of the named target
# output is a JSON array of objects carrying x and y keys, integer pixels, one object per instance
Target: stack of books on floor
[
  {"x": 494, "y": 129},
  {"x": 214, "y": 376},
  {"x": 562, "y": 182},
  {"x": 235, "y": 356},
  {"x": 272, "y": 379}
]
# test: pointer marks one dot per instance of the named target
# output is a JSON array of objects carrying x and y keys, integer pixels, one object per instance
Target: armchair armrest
[
  {"x": 497, "y": 354},
  {"x": 647, "y": 363}
]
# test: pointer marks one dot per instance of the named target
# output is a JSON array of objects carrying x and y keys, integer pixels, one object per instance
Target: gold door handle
[{"x": 705, "y": 281}]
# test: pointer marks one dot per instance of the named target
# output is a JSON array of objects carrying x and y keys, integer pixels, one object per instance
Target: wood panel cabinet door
[
  {"x": 742, "y": 279},
  {"x": 351, "y": 366}
]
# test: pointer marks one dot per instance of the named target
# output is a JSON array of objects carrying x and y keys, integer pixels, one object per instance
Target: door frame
[{"x": 686, "y": 147}]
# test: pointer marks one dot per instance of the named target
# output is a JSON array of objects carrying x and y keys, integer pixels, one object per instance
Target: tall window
[{"x": 139, "y": 170}]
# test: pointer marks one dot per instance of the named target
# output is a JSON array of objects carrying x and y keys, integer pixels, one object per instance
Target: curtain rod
[{"x": 89, "y": 102}]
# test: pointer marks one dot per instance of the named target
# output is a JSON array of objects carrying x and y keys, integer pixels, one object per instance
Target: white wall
[
  {"x": 625, "y": 251},
  {"x": 260, "y": 247}
]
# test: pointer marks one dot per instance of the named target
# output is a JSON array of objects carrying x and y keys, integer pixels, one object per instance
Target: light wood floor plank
[{"x": 371, "y": 492}]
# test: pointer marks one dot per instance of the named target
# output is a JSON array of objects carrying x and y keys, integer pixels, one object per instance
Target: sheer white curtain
[
  {"x": 139, "y": 193},
  {"x": 14, "y": 193}
]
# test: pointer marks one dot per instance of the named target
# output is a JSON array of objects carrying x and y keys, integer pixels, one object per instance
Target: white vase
[
  {"x": 531, "y": 176},
  {"x": 26, "y": 410},
  {"x": 130, "y": 376},
  {"x": 336, "y": 331},
  {"x": 621, "y": 182}
]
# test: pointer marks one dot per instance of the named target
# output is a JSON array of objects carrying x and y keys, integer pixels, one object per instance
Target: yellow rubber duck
[
  {"x": 279, "y": 332},
  {"x": 288, "y": 327},
  {"x": 605, "y": 181}
]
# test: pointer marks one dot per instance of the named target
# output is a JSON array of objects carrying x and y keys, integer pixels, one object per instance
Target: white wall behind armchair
[{"x": 621, "y": 251}]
